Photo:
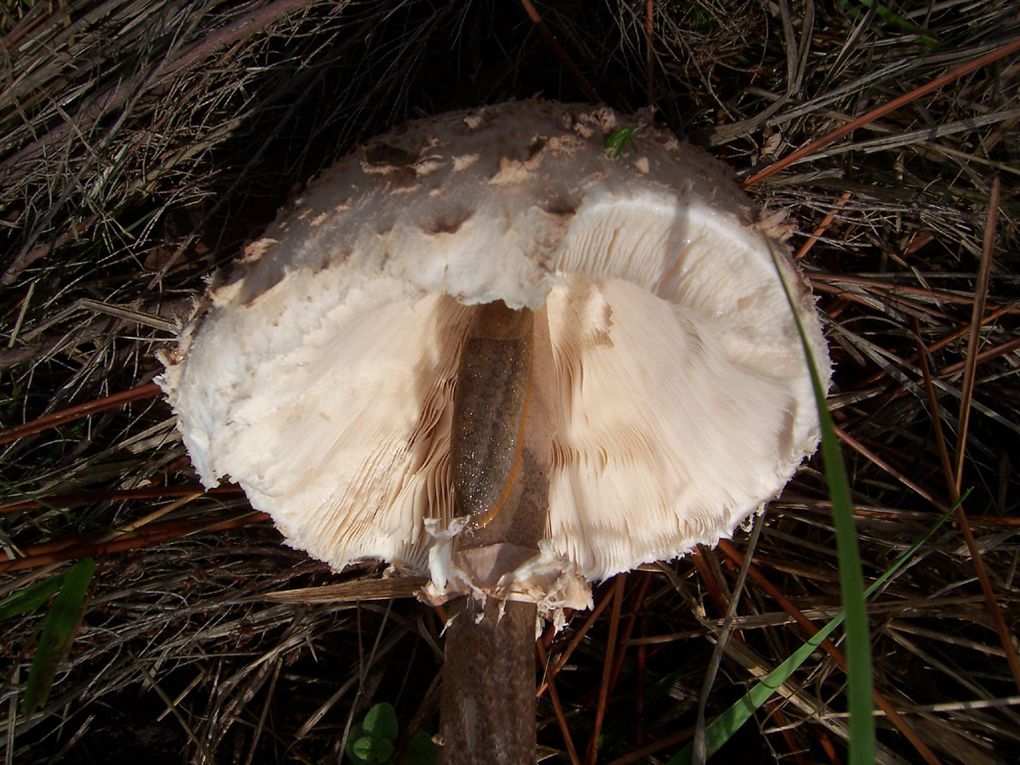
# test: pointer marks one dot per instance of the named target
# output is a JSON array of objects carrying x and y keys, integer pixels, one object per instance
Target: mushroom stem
[
  {"x": 500, "y": 483},
  {"x": 488, "y": 697},
  {"x": 490, "y": 411}
]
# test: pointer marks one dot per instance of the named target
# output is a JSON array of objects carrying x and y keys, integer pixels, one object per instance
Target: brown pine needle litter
[{"x": 144, "y": 142}]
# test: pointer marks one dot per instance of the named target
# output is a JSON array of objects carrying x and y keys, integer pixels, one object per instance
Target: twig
[
  {"x": 561, "y": 54},
  {"x": 600, "y": 711},
  {"x": 153, "y": 536},
  {"x": 561, "y": 662},
  {"x": 821, "y": 227},
  {"x": 837, "y": 655},
  {"x": 1001, "y": 52},
  {"x": 966, "y": 399},
  {"x": 561, "y": 719},
  {"x": 700, "y": 751},
  {"x": 88, "y": 497},
  {"x": 650, "y": 52},
  {"x": 77, "y": 412}
]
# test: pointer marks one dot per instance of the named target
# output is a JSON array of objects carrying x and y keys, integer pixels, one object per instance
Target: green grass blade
[
  {"x": 29, "y": 599},
  {"x": 889, "y": 16},
  {"x": 730, "y": 721},
  {"x": 851, "y": 582},
  {"x": 58, "y": 629},
  {"x": 851, "y": 586}
]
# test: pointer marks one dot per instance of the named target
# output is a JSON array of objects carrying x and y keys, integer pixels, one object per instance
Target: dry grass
[{"x": 142, "y": 142}]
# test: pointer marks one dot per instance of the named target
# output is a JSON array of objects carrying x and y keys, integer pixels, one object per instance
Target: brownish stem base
[{"x": 488, "y": 701}]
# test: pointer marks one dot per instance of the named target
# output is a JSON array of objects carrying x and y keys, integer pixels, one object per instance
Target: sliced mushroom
[{"x": 674, "y": 396}]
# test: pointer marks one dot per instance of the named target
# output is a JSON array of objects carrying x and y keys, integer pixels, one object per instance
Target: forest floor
[{"x": 144, "y": 142}]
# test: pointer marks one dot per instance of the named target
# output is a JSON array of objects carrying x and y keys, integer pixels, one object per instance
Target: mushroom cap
[{"x": 322, "y": 378}]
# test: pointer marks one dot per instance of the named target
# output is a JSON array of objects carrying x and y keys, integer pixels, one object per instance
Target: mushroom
[{"x": 486, "y": 349}]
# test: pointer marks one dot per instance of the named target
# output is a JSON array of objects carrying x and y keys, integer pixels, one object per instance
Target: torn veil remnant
[{"x": 673, "y": 391}]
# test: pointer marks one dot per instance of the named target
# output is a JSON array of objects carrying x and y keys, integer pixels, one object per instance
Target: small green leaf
[
  {"x": 619, "y": 141},
  {"x": 29, "y": 599},
  {"x": 421, "y": 750},
  {"x": 381, "y": 722},
  {"x": 356, "y": 734},
  {"x": 383, "y": 750},
  {"x": 372, "y": 750},
  {"x": 362, "y": 748},
  {"x": 58, "y": 629}
]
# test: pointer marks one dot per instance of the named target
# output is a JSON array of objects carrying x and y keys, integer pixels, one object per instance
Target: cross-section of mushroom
[
  {"x": 323, "y": 378},
  {"x": 650, "y": 389}
]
